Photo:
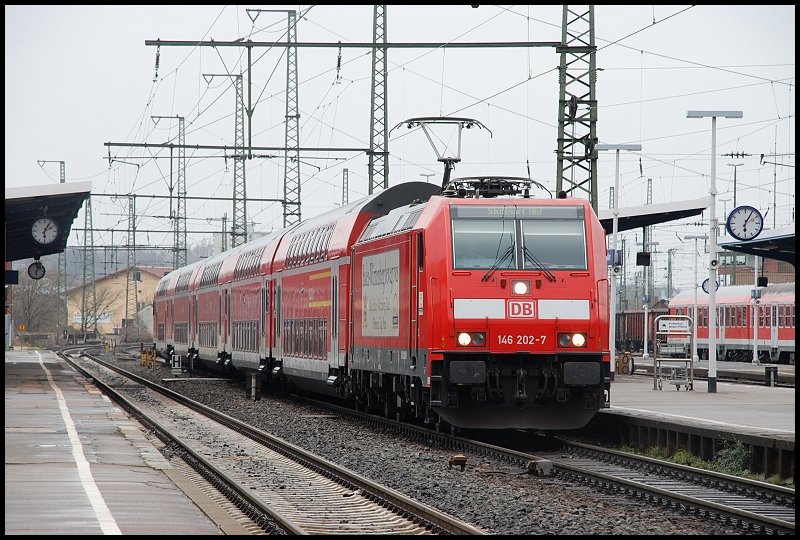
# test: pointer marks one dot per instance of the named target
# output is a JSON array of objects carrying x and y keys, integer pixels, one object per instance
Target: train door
[
  {"x": 335, "y": 357},
  {"x": 344, "y": 337},
  {"x": 265, "y": 320},
  {"x": 415, "y": 309},
  {"x": 226, "y": 319},
  {"x": 435, "y": 323},
  {"x": 277, "y": 306},
  {"x": 193, "y": 322},
  {"x": 774, "y": 326}
]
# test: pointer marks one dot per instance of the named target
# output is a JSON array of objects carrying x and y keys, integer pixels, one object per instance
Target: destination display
[{"x": 522, "y": 212}]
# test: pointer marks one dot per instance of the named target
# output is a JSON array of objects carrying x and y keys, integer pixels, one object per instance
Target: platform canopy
[
  {"x": 24, "y": 205},
  {"x": 634, "y": 217},
  {"x": 770, "y": 244}
]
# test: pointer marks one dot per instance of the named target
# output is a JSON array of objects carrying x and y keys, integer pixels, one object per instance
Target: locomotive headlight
[
  {"x": 471, "y": 339},
  {"x": 572, "y": 340},
  {"x": 578, "y": 340},
  {"x": 521, "y": 286}
]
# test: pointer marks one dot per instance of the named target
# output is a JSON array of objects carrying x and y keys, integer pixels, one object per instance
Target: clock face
[
  {"x": 36, "y": 270},
  {"x": 705, "y": 285},
  {"x": 44, "y": 230},
  {"x": 745, "y": 223}
]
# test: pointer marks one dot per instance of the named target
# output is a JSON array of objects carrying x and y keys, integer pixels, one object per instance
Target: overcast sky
[{"x": 77, "y": 77}]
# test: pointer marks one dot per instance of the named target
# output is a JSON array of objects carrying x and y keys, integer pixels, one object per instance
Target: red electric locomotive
[
  {"x": 735, "y": 331},
  {"x": 474, "y": 308}
]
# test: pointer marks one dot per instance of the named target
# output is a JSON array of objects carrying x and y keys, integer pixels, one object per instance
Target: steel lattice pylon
[
  {"x": 576, "y": 157},
  {"x": 239, "y": 186},
  {"x": 379, "y": 114},
  {"x": 131, "y": 289},
  {"x": 88, "y": 318},
  {"x": 291, "y": 178},
  {"x": 180, "y": 215}
]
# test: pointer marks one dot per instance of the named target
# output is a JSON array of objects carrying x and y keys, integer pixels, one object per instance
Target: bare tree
[
  {"x": 103, "y": 301},
  {"x": 35, "y": 302}
]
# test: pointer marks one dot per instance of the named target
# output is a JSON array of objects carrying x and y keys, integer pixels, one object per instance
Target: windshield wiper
[
  {"x": 497, "y": 263},
  {"x": 537, "y": 263}
]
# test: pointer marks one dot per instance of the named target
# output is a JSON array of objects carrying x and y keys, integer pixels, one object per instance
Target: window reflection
[
  {"x": 556, "y": 243},
  {"x": 479, "y": 243}
]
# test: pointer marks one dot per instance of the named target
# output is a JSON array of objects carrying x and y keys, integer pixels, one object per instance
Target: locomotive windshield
[{"x": 499, "y": 236}]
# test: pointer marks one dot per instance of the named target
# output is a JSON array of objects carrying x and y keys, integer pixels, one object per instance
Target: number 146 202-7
[{"x": 520, "y": 339}]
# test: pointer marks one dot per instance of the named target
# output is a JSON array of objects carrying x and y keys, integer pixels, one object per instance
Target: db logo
[{"x": 521, "y": 309}]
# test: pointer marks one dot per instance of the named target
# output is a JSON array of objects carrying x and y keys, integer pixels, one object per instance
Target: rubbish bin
[{"x": 770, "y": 375}]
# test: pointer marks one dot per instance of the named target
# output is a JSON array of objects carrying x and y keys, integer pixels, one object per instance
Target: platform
[
  {"x": 759, "y": 416},
  {"x": 737, "y": 408},
  {"x": 76, "y": 464},
  {"x": 725, "y": 370}
]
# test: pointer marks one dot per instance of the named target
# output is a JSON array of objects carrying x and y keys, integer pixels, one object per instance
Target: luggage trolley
[{"x": 672, "y": 352}]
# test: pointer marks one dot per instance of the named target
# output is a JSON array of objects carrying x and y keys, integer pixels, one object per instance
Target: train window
[
  {"x": 300, "y": 341},
  {"x": 768, "y": 322},
  {"x": 780, "y": 315},
  {"x": 264, "y": 305},
  {"x": 318, "y": 338},
  {"x": 478, "y": 243},
  {"x": 761, "y": 316},
  {"x": 323, "y": 327},
  {"x": 319, "y": 250},
  {"x": 420, "y": 253},
  {"x": 556, "y": 243},
  {"x": 277, "y": 304},
  {"x": 309, "y": 247},
  {"x": 304, "y": 252},
  {"x": 791, "y": 310},
  {"x": 291, "y": 258},
  {"x": 327, "y": 240}
]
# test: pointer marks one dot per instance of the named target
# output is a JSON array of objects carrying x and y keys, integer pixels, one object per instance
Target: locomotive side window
[{"x": 480, "y": 243}]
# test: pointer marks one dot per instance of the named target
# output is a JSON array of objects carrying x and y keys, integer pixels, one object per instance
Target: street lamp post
[
  {"x": 645, "y": 354},
  {"x": 729, "y": 277},
  {"x": 734, "y": 165},
  {"x": 612, "y": 327},
  {"x": 756, "y": 293},
  {"x": 712, "y": 249},
  {"x": 695, "y": 237}
]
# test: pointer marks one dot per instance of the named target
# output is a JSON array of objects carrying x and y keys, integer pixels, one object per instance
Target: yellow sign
[{"x": 22, "y": 326}]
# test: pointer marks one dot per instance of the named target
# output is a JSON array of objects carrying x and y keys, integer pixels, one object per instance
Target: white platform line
[{"x": 101, "y": 511}]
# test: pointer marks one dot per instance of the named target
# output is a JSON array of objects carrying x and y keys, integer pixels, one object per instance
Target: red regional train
[
  {"x": 476, "y": 307},
  {"x": 775, "y": 331}
]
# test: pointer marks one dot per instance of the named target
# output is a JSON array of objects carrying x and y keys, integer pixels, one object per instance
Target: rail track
[
  {"x": 281, "y": 487},
  {"x": 750, "y": 505}
]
